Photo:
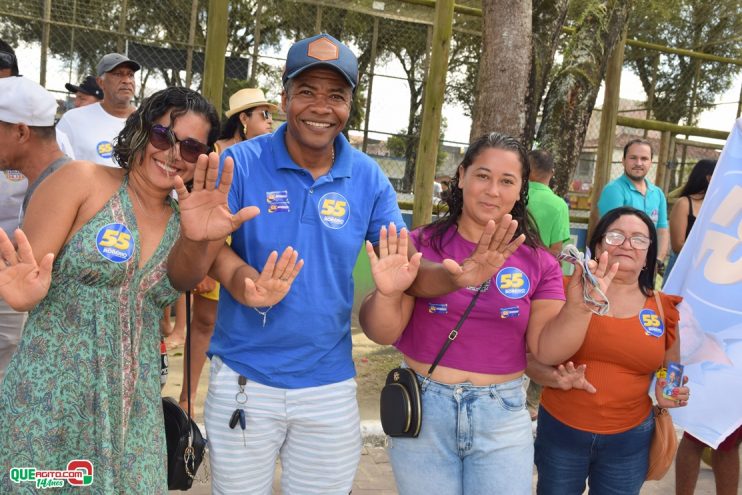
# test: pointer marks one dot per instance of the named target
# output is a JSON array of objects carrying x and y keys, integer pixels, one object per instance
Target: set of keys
[
  {"x": 598, "y": 305},
  {"x": 238, "y": 416}
]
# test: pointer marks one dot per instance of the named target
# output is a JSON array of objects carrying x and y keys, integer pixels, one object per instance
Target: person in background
[
  {"x": 13, "y": 186},
  {"x": 87, "y": 93},
  {"x": 549, "y": 211},
  {"x": 686, "y": 208},
  {"x": 92, "y": 128},
  {"x": 634, "y": 189},
  {"x": 249, "y": 115}
]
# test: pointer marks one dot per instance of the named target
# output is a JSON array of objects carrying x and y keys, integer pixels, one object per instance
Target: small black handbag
[
  {"x": 186, "y": 446},
  {"x": 401, "y": 404}
]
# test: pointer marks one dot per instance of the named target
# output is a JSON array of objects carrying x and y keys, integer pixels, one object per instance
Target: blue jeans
[
  {"x": 474, "y": 440},
  {"x": 612, "y": 464}
]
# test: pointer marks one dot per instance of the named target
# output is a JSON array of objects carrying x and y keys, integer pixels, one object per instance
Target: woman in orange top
[{"x": 603, "y": 434}]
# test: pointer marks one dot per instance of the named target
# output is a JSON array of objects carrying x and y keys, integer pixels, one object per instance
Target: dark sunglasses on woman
[{"x": 163, "y": 139}]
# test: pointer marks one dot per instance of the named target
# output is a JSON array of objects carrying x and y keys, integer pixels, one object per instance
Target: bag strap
[
  {"x": 455, "y": 332},
  {"x": 187, "y": 360}
]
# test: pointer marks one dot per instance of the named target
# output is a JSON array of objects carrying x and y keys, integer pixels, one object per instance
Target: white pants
[
  {"x": 11, "y": 327},
  {"x": 315, "y": 430}
]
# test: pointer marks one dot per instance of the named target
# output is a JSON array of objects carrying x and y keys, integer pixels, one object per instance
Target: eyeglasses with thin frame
[
  {"x": 163, "y": 138},
  {"x": 614, "y": 238}
]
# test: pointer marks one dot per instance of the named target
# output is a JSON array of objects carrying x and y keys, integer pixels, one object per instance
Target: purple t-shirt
[{"x": 492, "y": 339}]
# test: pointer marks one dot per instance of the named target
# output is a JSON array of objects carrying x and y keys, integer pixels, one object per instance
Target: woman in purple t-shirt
[{"x": 476, "y": 432}]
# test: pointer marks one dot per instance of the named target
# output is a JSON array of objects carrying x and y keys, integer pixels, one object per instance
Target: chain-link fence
[{"x": 60, "y": 41}]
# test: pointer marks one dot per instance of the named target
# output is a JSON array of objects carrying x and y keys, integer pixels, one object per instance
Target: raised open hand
[
  {"x": 570, "y": 377},
  {"x": 275, "y": 280},
  {"x": 494, "y": 247},
  {"x": 23, "y": 283},
  {"x": 393, "y": 273},
  {"x": 204, "y": 213}
]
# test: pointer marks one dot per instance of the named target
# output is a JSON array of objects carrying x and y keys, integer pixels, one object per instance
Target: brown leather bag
[{"x": 664, "y": 441}]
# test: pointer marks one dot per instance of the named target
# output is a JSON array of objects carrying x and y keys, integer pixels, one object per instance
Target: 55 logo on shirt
[{"x": 334, "y": 210}]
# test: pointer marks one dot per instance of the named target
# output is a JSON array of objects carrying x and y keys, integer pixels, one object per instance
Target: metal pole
[
  {"x": 216, "y": 47},
  {"x": 120, "y": 42},
  {"x": 255, "y": 45},
  {"x": 191, "y": 41},
  {"x": 372, "y": 69},
  {"x": 435, "y": 87},
  {"x": 45, "y": 31}
]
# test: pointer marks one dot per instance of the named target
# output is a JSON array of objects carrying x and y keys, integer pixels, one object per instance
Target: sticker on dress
[
  {"x": 511, "y": 312},
  {"x": 438, "y": 308},
  {"x": 512, "y": 283},
  {"x": 651, "y": 323},
  {"x": 115, "y": 243},
  {"x": 334, "y": 210},
  {"x": 104, "y": 149}
]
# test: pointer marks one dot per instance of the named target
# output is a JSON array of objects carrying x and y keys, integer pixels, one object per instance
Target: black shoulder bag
[
  {"x": 401, "y": 403},
  {"x": 185, "y": 444}
]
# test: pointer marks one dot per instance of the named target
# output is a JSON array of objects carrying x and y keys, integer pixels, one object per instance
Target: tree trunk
[
  {"x": 503, "y": 71},
  {"x": 548, "y": 19},
  {"x": 572, "y": 93}
]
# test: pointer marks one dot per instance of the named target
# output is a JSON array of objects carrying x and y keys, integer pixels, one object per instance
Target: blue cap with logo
[{"x": 321, "y": 50}]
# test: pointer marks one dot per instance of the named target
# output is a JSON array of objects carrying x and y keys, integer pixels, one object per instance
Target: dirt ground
[{"x": 372, "y": 362}]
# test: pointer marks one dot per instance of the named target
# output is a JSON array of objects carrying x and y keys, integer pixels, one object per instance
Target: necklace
[
  {"x": 141, "y": 206},
  {"x": 264, "y": 314}
]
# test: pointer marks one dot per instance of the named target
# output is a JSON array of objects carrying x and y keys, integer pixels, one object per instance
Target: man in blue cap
[{"x": 282, "y": 367}]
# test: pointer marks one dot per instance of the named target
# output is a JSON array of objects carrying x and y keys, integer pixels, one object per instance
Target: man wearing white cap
[
  {"x": 28, "y": 145},
  {"x": 92, "y": 128}
]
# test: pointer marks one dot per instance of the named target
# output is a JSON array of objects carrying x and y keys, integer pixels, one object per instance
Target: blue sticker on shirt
[
  {"x": 278, "y": 208},
  {"x": 651, "y": 323},
  {"x": 512, "y": 283},
  {"x": 114, "y": 243},
  {"x": 511, "y": 312},
  {"x": 334, "y": 210},
  {"x": 438, "y": 308},
  {"x": 104, "y": 149}
]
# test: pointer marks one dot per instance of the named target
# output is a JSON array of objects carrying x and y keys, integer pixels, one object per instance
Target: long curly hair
[
  {"x": 129, "y": 145},
  {"x": 455, "y": 198}
]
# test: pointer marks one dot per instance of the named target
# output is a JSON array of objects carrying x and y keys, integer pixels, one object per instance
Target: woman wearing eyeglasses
[
  {"x": 84, "y": 383},
  {"x": 602, "y": 433}
]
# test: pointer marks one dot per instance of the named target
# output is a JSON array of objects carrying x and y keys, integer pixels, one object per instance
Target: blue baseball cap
[{"x": 321, "y": 50}]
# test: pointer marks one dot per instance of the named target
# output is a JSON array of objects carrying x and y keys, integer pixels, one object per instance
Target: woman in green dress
[{"x": 84, "y": 383}]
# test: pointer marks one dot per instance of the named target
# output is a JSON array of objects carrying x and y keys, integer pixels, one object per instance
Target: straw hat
[{"x": 247, "y": 98}]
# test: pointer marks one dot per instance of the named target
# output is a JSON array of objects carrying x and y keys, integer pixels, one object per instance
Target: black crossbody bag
[
  {"x": 401, "y": 401},
  {"x": 186, "y": 445}
]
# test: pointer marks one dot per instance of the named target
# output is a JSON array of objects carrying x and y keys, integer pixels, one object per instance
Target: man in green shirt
[{"x": 548, "y": 210}]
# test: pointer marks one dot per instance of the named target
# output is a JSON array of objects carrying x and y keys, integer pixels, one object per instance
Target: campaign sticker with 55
[
  {"x": 512, "y": 283},
  {"x": 114, "y": 242},
  {"x": 79, "y": 472}
]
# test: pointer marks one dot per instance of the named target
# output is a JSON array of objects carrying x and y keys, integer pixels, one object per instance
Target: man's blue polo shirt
[
  {"x": 306, "y": 340},
  {"x": 622, "y": 192}
]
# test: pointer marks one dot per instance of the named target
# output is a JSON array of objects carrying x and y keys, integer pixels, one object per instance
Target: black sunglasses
[
  {"x": 7, "y": 60},
  {"x": 163, "y": 138}
]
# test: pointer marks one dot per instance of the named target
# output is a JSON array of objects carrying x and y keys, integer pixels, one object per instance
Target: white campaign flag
[{"x": 708, "y": 274}]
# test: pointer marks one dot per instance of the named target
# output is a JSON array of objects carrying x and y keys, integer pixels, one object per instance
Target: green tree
[{"x": 681, "y": 87}]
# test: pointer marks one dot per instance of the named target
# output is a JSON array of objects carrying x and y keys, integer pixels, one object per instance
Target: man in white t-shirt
[{"x": 92, "y": 128}]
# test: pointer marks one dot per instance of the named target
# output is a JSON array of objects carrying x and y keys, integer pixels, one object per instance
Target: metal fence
[{"x": 60, "y": 41}]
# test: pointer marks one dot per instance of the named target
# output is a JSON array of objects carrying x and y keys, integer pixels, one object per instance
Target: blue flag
[{"x": 708, "y": 274}]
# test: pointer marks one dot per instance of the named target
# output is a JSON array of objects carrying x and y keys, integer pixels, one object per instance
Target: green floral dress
[{"x": 85, "y": 381}]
